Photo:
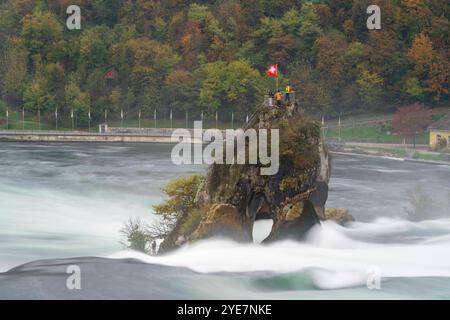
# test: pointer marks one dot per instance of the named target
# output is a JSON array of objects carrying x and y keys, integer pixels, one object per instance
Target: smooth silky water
[{"x": 70, "y": 200}]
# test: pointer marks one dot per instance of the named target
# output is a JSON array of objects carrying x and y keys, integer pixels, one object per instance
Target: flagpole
[
  {"x": 89, "y": 121},
  {"x": 278, "y": 83},
  {"x": 56, "y": 118}
]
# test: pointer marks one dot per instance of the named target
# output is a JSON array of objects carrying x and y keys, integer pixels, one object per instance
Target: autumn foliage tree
[{"x": 409, "y": 121}]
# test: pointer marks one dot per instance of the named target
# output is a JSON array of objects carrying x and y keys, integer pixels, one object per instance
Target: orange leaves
[
  {"x": 431, "y": 65},
  {"x": 421, "y": 53},
  {"x": 438, "y": 78}
]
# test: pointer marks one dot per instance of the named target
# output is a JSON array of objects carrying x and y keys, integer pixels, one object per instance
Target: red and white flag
[{"x": 272, "y": 71}]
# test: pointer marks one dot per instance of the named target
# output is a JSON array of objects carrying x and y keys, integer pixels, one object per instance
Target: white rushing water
[
  {"x": 59, "y": 201},
  {"x": 344, "y": 256}
]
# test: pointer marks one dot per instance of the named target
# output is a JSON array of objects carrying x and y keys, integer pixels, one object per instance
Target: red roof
[{"x": 111, "y": 74}]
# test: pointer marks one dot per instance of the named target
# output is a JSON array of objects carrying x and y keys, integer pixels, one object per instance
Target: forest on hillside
[{"x": 212, "y": 55}]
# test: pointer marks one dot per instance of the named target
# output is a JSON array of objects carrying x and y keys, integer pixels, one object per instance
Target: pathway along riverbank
[{"x": 151, "y": 135}]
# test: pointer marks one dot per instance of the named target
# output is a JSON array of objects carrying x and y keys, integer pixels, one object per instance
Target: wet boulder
[{"x": 339, "y": 215}]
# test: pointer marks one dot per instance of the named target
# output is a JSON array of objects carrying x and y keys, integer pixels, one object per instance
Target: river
[{"x": 59, "y": 202}]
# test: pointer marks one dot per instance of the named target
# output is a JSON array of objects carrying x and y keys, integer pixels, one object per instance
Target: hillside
[{"x": 212, "y": 55}]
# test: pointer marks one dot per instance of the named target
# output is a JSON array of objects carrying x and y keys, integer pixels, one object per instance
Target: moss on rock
[{"x": 339, "y": 215}]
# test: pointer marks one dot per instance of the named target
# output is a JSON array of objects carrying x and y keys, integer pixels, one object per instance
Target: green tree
[
  {"x": 235, "y": 85},
  {"x": 36, "y": 97},
  {"x": 78, "y": 102},
  {"x": 309, "y": 21},
  {"x": 13, "y": 68},
  {"x": 94, "y": 47},
  {"x": 181, "y": 197},
  {"x": 370, "y": 88},
  {"x": 413, "y": 88},
  {"x": 43, "y": 36}
]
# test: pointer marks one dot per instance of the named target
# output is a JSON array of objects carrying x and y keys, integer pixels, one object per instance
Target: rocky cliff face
[{"x": 235, "y": 196}]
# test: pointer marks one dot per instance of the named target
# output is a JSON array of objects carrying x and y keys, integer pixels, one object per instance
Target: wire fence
[
  {"x": 52, "y": 121},
  {"x": 361, "y": 130}
]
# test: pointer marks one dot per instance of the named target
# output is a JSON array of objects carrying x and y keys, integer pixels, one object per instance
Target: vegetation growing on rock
[
  {"x": 182, "y": 193},
  {"x": 339, "y": 215}
]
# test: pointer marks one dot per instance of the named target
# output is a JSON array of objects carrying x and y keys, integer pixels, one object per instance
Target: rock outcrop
[
  {"x": 235, "y": 196},
  {"x": 339, "y": 215}
]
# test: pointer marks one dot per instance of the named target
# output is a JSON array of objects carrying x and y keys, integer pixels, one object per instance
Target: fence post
[
  {"x": 323, "y": 127},
  {"x": 339, "y": 129},
  {"x": 139, "y": 116},
  {"x": 232, "y": 120},
  {"x": 71, "y": 117}
]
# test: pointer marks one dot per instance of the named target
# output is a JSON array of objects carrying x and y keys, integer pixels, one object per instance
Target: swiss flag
[{"x": 272, "y": 71}]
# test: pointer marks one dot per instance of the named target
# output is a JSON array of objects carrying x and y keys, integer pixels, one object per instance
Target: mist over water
[
  {"x": 70, "y": 200},
  {"x": 64, "y": 200}
]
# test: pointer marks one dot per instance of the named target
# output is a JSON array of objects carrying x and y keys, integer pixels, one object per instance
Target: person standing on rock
[
  {"x": 288, "y": 93},
  {"x": 279, "y": 98}
]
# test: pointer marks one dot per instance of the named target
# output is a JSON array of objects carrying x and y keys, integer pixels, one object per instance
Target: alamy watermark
[
  {"x": 374, "y": 21},
  {"x": 236, "y": 147},
  {"x": 73, "y": 22},
  {"x": 73, "y": 281}
]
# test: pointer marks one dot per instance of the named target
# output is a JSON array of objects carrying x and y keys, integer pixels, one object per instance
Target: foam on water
[{"x": 337, "y": 257}]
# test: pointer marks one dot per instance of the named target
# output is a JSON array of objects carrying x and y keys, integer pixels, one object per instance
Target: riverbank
[
  {"x": 397, "y": 152},
  {"x": 136, "y": 136}
]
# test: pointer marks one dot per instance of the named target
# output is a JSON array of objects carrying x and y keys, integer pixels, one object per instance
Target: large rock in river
[{"x": 235, "y": 196}]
